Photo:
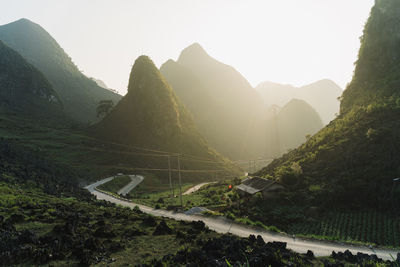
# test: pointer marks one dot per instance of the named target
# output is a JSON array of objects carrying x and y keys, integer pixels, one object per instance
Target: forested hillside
[{"x": 24, "y": 90}]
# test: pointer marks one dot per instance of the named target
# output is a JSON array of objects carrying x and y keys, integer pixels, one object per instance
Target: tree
[{"x": 104, "y": 107}]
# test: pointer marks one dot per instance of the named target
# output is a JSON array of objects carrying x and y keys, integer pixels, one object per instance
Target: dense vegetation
[
  {"x": 377, "y": 73},
  {"x": 78, "y": 93}
]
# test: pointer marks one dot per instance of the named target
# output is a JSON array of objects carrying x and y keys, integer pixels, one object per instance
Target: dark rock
[
  {"x": 260, "y": 240},
  {"x": 310, "y": 254}
]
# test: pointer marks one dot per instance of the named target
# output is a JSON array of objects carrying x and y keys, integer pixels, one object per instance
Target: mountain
[
  {"x": 24, "y": 89},
  {"x": 296, "y": 120},
  {"x": 151, "y": 116},
  {"x": 321, "y": 95},
  {"x": 231, "y": 114},
  {"x": 224, "y": 105},
  {"x": 351, "y": 163},
  {"x": 79, "y": 94}
]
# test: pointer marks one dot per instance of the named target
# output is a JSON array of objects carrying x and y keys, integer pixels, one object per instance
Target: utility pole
[
  {"x": 180, "y": 179},
  {"x": 170, "y": 177}
]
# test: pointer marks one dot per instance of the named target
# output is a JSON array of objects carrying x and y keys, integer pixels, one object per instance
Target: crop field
[{"x": 365, "y": 227}]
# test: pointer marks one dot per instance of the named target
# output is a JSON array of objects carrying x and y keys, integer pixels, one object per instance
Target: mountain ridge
[{"x": 79, "y": 94}]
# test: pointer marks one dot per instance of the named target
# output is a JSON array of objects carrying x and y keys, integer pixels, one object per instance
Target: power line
[
  {"x": 174, "y": 170},
  {"x": 150, "y": 155}
]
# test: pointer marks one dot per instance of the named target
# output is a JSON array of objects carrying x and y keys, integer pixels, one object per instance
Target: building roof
[{"x": 255, "y": 184}]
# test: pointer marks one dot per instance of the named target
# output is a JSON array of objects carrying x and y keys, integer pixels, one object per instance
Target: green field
[{"x": 366, "y": 227}]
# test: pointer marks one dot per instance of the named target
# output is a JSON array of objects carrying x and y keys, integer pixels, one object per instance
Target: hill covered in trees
[
  {"x": 352, "y": 161},
  {"x": 24, "y": 90},
  {"x": 79, "y": 94},
  {"x": 322, "y": 96}
]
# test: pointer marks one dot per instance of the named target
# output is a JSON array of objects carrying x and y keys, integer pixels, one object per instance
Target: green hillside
[
  {"x": 352, "y": 162},
  {"x": 79, "y": 94},
  {"x": 24, "y": 89}
]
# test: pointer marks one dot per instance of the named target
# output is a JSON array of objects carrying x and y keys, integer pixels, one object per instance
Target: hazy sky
[{"x": 285, "y": 41}]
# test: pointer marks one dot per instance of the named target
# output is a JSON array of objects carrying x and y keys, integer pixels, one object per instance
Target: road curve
[
  {"x": 222, "y": 225},
  {"x": 135, "y": 181}
]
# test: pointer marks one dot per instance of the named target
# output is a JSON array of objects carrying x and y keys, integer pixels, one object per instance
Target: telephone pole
[
  {"x": 170, "y": 177},
  {"x": 180, "y": 179}
]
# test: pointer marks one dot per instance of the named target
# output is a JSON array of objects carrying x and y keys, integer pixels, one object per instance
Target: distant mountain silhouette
[
  {"x": 100, "y": 83},
  {"x": 295, "y": 121},
  {"x": 23, "y": 89},
  {"x": 150, "y": 115},
  {"x": 79, "y": 94},
  {"x": 225, "y": 106},
  {"x": 322, "y": 96},
  {"x": 228, "y": 111}
]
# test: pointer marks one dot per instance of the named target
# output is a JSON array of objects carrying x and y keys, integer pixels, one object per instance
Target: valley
[{"x": 195, "y": 157}]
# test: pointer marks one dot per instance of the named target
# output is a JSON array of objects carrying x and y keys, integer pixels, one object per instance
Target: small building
[{"x": 253, "y": 185}]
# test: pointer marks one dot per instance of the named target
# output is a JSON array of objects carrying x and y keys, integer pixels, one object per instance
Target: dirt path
[{"x": 195, "y": 188}]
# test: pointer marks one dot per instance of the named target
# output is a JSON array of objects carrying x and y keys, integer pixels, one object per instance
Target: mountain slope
[
  {"x": 24, "y": 89},
  {"x": 353, "y": 160},
  {"x": 151, "y": 116},
  {"x": 321, "y": 95},
  {"x": 295, "y": 121},
  {"x": 224, "y": 105},
  {"x": 230, "y": 114},
  {"x": 79, "y": 94}
]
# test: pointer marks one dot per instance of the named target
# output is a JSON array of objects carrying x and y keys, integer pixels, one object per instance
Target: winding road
[
  {"x": 135, "y": 180},
  {"x": 222, "y": 225}
]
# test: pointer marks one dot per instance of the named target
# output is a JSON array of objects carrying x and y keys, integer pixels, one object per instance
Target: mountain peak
[
  {"x": 144, "y": 71},
  {"x": 193, "y": 52}
]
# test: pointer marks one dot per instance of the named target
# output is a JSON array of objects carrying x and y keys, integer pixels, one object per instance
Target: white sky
[{"x": 286, "y": 41}]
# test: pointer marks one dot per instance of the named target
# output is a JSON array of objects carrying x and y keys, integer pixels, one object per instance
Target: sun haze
[{"x": 285, "y": 41}]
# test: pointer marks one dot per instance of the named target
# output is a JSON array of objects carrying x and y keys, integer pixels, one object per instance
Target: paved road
[
  {"x": 194, "y": 188},
  {"x": 135, "y": 180},
  {"x": 221, "y": 225}
]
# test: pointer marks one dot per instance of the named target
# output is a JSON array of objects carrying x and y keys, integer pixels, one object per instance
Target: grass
[{"x": 116, "y": 184}]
